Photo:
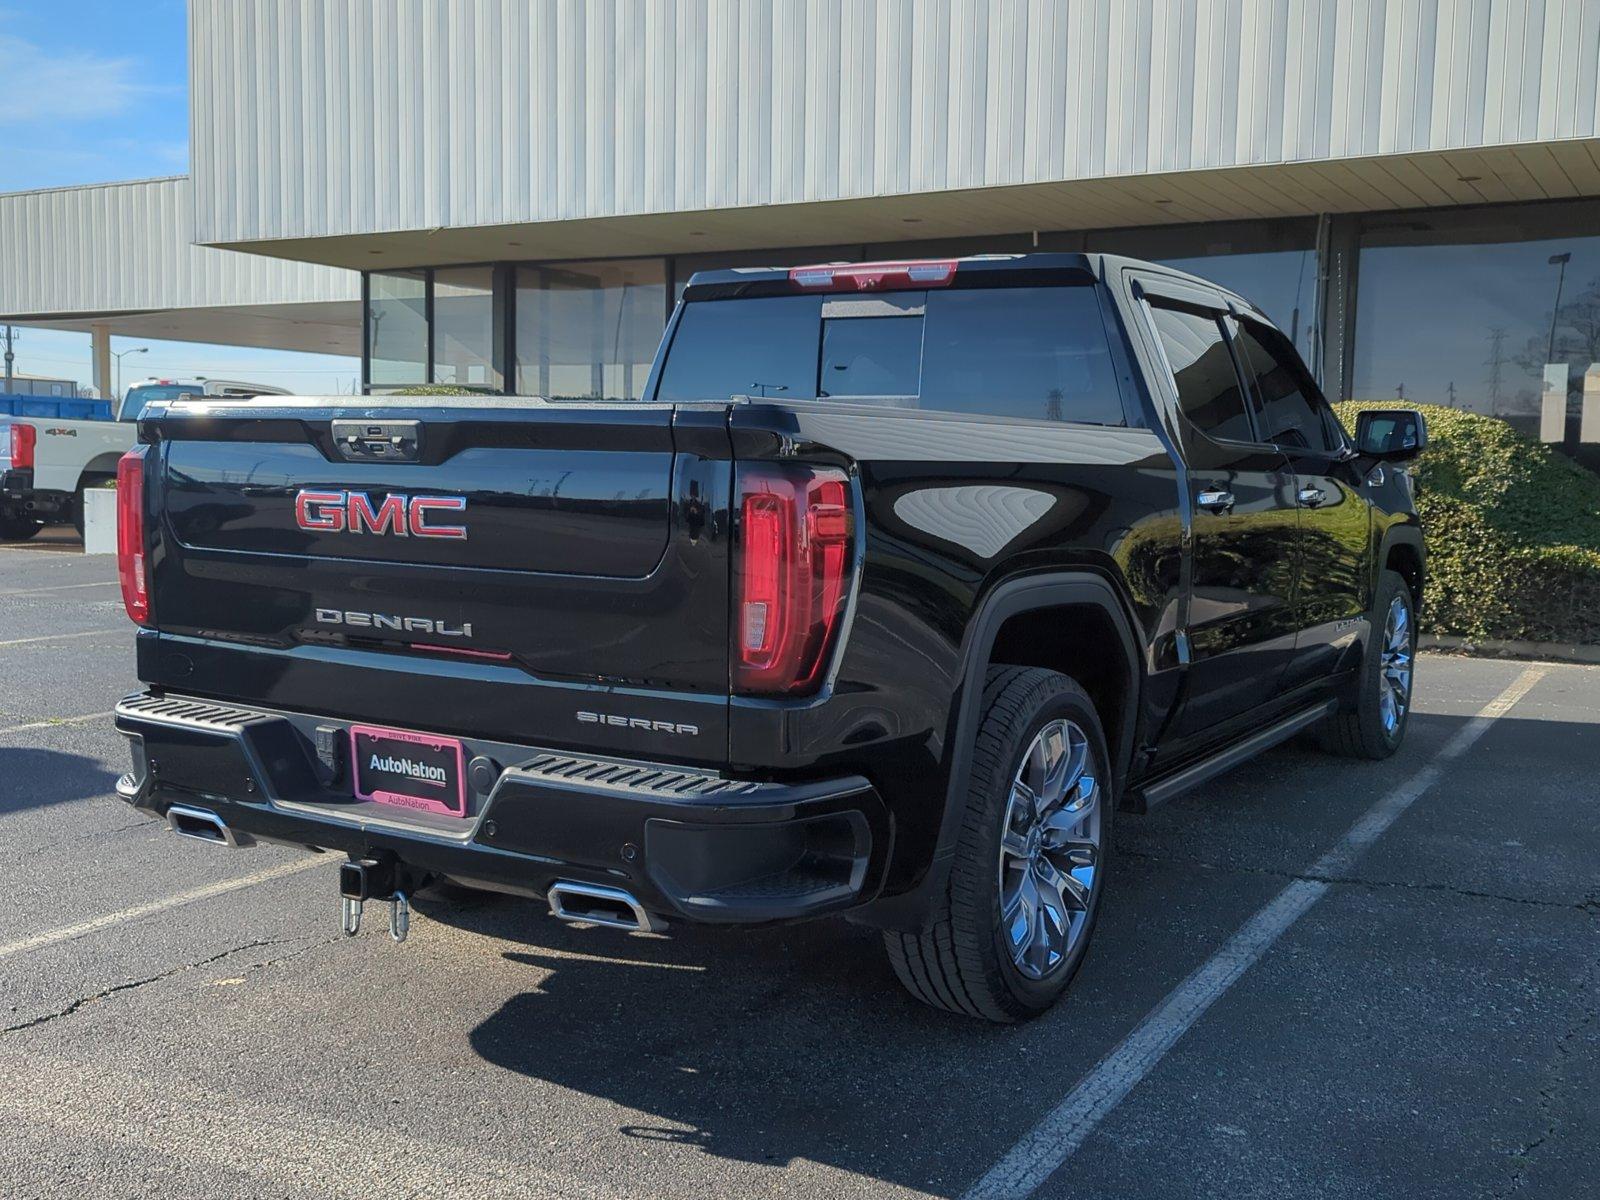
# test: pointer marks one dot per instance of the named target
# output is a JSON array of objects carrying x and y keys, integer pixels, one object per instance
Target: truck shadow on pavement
[
  {"x": 35, "y": 777},
  {"x": 796, "y": 1043},
  {"x": 756, "y": 1046}
]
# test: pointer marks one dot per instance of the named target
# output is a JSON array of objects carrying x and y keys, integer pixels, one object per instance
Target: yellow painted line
[
  {"x": 61, "y": 637},
  {"x": 69, "y": 933},
  {"x": 58, "y": 587},
  {"x": 55, "y": 722}
]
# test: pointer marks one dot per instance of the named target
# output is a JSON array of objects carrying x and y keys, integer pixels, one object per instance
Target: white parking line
[
  {"x": 1056, "y": 1138},
  {"x": 56, "y": 722},
  {"x": 70, "y": 933},
  {"x": 59, "y": 637}
]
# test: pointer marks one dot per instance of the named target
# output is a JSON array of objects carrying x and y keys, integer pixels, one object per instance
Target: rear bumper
[
  {"x": 685, "y": 842},
  {"x": 16, "y": 484}
]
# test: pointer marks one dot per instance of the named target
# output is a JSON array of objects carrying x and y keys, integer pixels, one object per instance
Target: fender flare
[
  {"x": 1403, "y": 534},
  {"x": 1008, "y": 599}
]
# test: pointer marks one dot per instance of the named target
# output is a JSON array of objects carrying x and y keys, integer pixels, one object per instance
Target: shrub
[
  {"x": 440, "y": 389},
  {"x": 1512, "y": 529}
]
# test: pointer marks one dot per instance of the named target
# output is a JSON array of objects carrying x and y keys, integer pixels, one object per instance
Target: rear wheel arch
[
  {"x": 1087, "y": 642},
  {"x": 1005, "y": 630},
  {"x": 1025, "y": 599},
  {"x": 99, "y": 469}
]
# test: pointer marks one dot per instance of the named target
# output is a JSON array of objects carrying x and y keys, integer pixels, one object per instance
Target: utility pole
[
  {"x": 1496, "y": 364},
  {"x": 11, "y": 356},
  {"x": 1451, "y": 392},
  {"x": 1400, "y": 392}
]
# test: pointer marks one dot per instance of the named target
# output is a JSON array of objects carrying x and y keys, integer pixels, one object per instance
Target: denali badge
[
  {"x": 352, "y": 512},
  {"x": 371, "y": 620},
  {"x": 594, "y": 718}
]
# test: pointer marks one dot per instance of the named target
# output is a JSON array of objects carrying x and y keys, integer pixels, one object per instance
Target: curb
[{"x": 1499, "y": 648}]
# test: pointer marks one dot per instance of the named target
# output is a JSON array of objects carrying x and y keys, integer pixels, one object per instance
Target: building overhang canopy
[
  {"x": 316, "y": 327},
  {"x": 1399, "y": 181},
  {"x": 121, "y": 258}
]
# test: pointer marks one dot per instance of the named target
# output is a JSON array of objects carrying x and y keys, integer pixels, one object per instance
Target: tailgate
[{"x": 559, "y": 539}]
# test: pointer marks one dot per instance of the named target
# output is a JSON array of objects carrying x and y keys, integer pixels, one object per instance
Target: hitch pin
[
  {"x": 350, "y": 915},
  {"x": 399, "y": 916}
]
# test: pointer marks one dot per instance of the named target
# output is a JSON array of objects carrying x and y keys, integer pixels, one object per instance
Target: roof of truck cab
[{"x": 1087, "y": 267}]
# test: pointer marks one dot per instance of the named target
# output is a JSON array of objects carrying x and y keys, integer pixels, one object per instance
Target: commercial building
[
  {"x": 35, "y": 385},
  {"x": 510, "y": 195}
]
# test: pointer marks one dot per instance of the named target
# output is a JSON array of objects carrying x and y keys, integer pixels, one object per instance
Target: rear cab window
[
  {"x": 140, "y": 396},
  {"x": 1037, "y": 353}
]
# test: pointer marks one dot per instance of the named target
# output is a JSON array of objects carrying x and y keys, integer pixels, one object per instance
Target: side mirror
[{"x": 1391, "y": 434}]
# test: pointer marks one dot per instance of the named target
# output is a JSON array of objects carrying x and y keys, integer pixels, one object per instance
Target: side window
[
  {"x": 765, "y": 347},
  {"x": 1292, "y": 412},
  {"x": 1208, "y": 385},
  {"x": 1038, "y": 353}
]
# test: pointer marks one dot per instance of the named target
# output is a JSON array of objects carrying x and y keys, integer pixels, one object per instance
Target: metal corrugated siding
[
  {"x": 127, "y": 246},
  {"x": 326, "y": 117}
]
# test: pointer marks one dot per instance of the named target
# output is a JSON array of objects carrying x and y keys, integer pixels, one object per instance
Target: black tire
[
  {"x": 76, "y": 510},
  {"x": 1359, "y": 729},
  {"x": 962, "y": 962},
  {"x": 18, "y": 526}
]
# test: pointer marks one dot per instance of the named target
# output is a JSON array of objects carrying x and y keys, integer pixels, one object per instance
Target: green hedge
[
  {"x": 440, "y": 389},
  {"x": 1512, "y": 528}
]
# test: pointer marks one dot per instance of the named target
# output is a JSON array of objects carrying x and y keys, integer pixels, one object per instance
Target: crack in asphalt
[
  {"x": 1589, "y": 904},
  {"x": 150, "y": 823},
  {"x": 1547, "y": 1095},
  {"x": 133, "y": 984}
]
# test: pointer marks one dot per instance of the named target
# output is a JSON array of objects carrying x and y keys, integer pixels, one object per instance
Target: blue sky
[{"x": 97, "y": 90}]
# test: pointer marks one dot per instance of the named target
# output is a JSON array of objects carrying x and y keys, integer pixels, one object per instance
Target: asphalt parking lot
[{"x": 1418, "y": 1018}]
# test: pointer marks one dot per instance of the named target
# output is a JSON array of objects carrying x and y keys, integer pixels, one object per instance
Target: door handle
[
  {"x": 1310, "y": 497},
  {"x": 1215, "y": 500}
]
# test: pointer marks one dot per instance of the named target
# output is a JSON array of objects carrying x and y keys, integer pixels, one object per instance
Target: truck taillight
[
  {"x": 794, "y": 565},
  {"x": 132, "y": 570},
  {"x": 23, "y": 440}
]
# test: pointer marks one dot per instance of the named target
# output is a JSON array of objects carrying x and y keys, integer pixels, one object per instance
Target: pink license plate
[{"x": 412, "y": 770}]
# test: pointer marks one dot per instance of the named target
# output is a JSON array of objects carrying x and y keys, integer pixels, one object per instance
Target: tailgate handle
[{"x": 378, "y": 441}]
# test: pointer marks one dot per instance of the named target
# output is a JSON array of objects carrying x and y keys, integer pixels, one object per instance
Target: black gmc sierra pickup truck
[{"x": 901, "y": 580}]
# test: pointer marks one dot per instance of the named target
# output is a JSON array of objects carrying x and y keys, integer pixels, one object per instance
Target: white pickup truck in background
[{"x": 46, "y": 461}]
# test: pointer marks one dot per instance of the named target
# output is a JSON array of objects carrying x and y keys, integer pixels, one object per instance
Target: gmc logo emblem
[{"x": 399, "y": 514}]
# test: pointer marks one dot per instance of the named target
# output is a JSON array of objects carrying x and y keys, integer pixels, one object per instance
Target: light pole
[
  {"x": 1556, "y": 260},
  {"x": 117, "y": 354}
]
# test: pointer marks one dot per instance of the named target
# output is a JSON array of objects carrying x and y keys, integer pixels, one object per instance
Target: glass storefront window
[
  {"x": 397, "y": 327},
  {"x": 588, "y": 331},
  {"x": 1496, "y": 311},
  {"x": 464, "y": 327}
]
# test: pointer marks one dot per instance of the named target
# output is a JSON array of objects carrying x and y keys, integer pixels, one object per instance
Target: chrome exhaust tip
[
  {"x": 205, "y": 826},
  {"x": 595, "y": 904}
]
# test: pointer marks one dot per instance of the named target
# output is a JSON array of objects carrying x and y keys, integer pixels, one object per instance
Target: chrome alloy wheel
[
  {"x": 1394, "y": 672},
  {"x": 1050, "y": 849}
]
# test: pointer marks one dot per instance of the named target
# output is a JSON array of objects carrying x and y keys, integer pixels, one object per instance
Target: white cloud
[{"x": 70, "y": 86}]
